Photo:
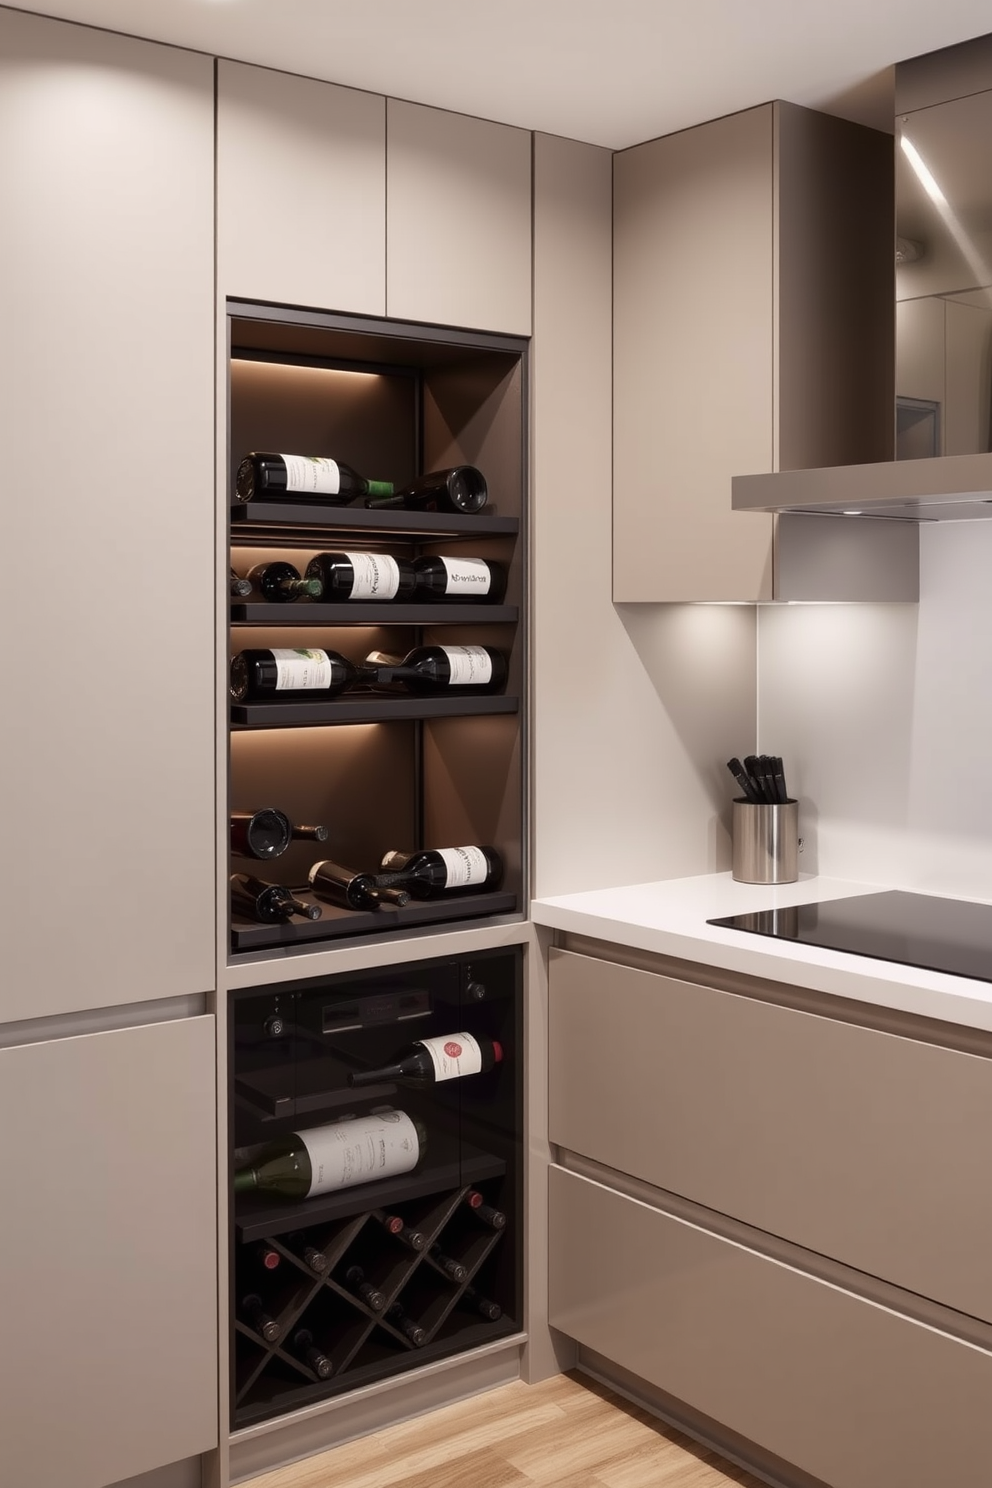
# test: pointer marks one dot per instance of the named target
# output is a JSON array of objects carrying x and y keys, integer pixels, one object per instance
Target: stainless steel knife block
[{"x": 766, "y": 842}]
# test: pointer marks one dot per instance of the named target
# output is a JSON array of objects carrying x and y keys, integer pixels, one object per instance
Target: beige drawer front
[
  {"x": 869, "y": 1148},
  {"x": 850, "y": 1392}
]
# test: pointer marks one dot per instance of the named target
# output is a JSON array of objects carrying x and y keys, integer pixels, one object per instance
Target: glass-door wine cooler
[{"x": 376, "y": 1165}]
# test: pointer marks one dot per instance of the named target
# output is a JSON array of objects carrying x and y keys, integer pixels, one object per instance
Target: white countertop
[{"x": 669, "y": 917}]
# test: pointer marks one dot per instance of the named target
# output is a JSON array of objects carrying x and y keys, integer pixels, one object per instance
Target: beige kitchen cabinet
[
  {"x": 753, "y": 303},
  {"x": 106, "y": 173},
  {"x": 301, "y": 191},
  {"x": 110, "y": 1253},
  {"x": 458, "y": 222}
]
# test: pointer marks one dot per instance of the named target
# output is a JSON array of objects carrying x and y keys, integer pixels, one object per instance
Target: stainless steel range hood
[{"x": 944, "y": 488}]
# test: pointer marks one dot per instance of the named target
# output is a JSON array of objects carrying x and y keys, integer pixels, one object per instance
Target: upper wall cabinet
[
  {"x": 753, "y": 305},
  {"x": 458, "y": 220},
  {"x": 107, "y": 390},
  {"x": 301, "y": 191}
]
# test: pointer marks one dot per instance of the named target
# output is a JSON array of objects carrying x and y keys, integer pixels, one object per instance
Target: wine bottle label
[
  {"x": 471, "y": 666},
  {"x": 310, "y": 473},
  {"x": 468, "y": 576},
  {"x": 458, "y": 1054},
  {"x": 464, "y": 866},
  {"x": 298, "y": 671},
  {"x": 377, "y": 576},
  {"x": 349, "y": 1152}
]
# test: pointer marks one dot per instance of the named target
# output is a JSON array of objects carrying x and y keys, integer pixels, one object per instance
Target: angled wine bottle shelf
[
  {"x": 255, "y": 521},
  {"x": 334, "y": 923},
  {"x": 260, "y": 613},
  {"x": 365, "y": 708}
]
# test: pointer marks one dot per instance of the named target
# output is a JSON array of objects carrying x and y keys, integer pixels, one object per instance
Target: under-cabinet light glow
[
  {"x": 302, "y": 367},
  {"x": 851, "y": 514}
]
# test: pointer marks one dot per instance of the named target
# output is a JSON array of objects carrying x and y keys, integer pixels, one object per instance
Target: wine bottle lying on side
[
  {"x": 431, "y": 1060},
  {"x": 465, "y": 670},
  {"x": 356, "y": 576},
  {"x": 351, "y": 890},
  {"x": 340, "y": 1154},
  {"x": 461, "y": 488},
  {"x": 440, "y": 870},
  {"x": 268, "y": 903},
  {"x": 290, "y": 673},
  {"x": 268, "y": 832},
  {"x": 465, "y": 580},
  {"x": 304, "y": 476},
  {"x": 280, "y": 583}
]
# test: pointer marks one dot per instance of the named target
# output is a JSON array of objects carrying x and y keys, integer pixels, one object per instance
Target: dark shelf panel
[
  {"x": 260, "y": 613},
  {"x": 334, "y": 923},
  {"x": 252, "y": 521},
  {"x": 258, "y": 1218},
  {"x": 366, "y": 708}
]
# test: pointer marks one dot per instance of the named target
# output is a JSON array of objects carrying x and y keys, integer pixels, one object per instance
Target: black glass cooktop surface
[{"x": 950, "y": 935}]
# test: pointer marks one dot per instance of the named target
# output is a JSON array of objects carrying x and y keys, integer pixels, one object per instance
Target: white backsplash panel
[{"x": 884, "y": 716}]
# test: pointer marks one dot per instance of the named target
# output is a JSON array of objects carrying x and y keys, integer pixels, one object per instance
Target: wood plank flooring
[{"x": 568, "y": 1432}]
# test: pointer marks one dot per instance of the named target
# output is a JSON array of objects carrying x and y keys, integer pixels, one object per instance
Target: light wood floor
[{"x": 568, "y": 1432}]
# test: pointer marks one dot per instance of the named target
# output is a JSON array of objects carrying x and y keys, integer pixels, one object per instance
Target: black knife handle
[{"x": 743, "y": 780}]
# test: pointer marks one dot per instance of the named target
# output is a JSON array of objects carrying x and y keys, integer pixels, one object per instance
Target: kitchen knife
[{"x": 743, "y": 780}]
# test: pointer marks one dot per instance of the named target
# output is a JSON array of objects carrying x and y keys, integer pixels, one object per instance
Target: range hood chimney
[{"x": 943, "y": 405}]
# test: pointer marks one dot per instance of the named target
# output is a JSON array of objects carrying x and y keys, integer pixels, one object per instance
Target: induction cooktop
[{"x": 951, "y": 935}]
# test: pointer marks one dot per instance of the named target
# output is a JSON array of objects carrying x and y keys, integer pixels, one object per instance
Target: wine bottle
[
  {"x": 267, "y": 833},
  {"x": 451, "y": 1268},
  {"x": 287, "y": 673},
  {"x": 396, "y": 1225},
  {"x": 461, "y": 488},
  {"x": 439, "y": 669},
  {"x": 406, "y": 1325},
  {"x": 240, "y": 588},
  {"x": 268, "y": 903},
  {"x": 303, "y": 475},
  {"x": 254, "y": 1314},
  {"x": 354, "y": 1279},
  {"x": 466, "y": 579},
  {"x": 350, "y": 890},
  {"x": 494, "y": 1218},
  {"x": 442, "y": 869},
  {"x": 266, "y": 1257},
  {"x": 428, "y": 1061},
  {"x": 280, "y": 583},
  {"x": 303, "y": 1347},
  {"x": 322, "y": 1159},
  {"x": 307, "y": 1252},
  {"x": 479, "y": 1303},
  {"x": 362, "y": 576}
]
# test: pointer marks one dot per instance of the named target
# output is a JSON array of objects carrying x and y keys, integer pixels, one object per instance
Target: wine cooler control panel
[{"x": 377, "y": 1174}]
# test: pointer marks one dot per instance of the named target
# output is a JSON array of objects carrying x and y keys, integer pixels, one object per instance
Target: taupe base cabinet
[{"x": 778, "y": 1220}]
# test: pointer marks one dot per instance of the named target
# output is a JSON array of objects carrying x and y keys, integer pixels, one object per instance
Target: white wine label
[
  {"x": 468, "y": 576},
  {"x": 464, "y": 866},
  {"x": 471, "y": 666},
  {"x": 359, "y": 1151},
  {"x": 377, "y": 576},
  {"x": 311, "y": 473},
  {"x": 299, "y": 671},
  {"x": 458, "y": 1054}
]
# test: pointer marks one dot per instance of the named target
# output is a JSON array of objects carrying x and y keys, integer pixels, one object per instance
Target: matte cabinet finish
[
  {"x": 106, "y": 385},
  {"x": 868, "y": 1148},
  {"x": 753, "y": 294},
  {"x": 301, "y": 191},
  {"x": 110, "y": 1254},
  {"x": 458, "y": 227},
  {"x": 848, "y": 1391}
]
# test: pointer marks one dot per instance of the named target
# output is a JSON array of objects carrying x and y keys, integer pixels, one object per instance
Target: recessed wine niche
[
  {"x": 376, "y": 1162},
  {"x": 377, "y": 634}
]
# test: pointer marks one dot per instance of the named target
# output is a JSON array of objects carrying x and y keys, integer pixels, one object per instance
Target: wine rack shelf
[
  {"x": 246, "y": 935},
  {"x": 258, "y": 520},
  {"x": 306, "y": 615},
  {"x": 357, "y": 1339},
  {"x": 371, "y": 709}
]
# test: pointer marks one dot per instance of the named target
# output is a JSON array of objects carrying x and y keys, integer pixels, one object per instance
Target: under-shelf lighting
[{"x": 302, "y": 367}]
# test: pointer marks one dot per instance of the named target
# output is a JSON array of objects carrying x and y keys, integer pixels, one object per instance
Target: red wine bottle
[
  {"x": 307, "y": 1252},
  {"x": 354, "y": 1280},
  {"x": 303, "y": 1347},
  {"x": 469, "y": 580},
  {"x": 339, "y": 1154},
  {"x": 431, "y": 1060},
  {"x": 396, "y": 1225},
  {"x": 362, "y": 576},
  {"x": 280, "y": 583},
  {"x": 494, "y": 1218},
  {"x": 466, "y": 670},
  {"x": 266, "y": 1257},
  {"x": 461, "y": 488},
  {"x": 303, "y": 476},
  {"x": 240, "y": 588},
  {"x": 406, "y": 1325},
  {"x": 453, "y": 1269},
  {"x": 479, "y": 1303},
  {"x": 267, "y": 833},
  {"x": 268, "y": 903},
  {"x": 290, "y": 673},
  {"x": 440, "y": 870},
  {"x": 350, "y": 890},
  {"x": 254, "y": 1314}
]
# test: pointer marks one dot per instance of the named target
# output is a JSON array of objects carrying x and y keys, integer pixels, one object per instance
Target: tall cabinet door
[
  {"x": 106, "y": 386},
  {"x": 458, "y": 226},
  {"x": 109, "y": 1254},
  {"x": 301, "y": 191}
]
